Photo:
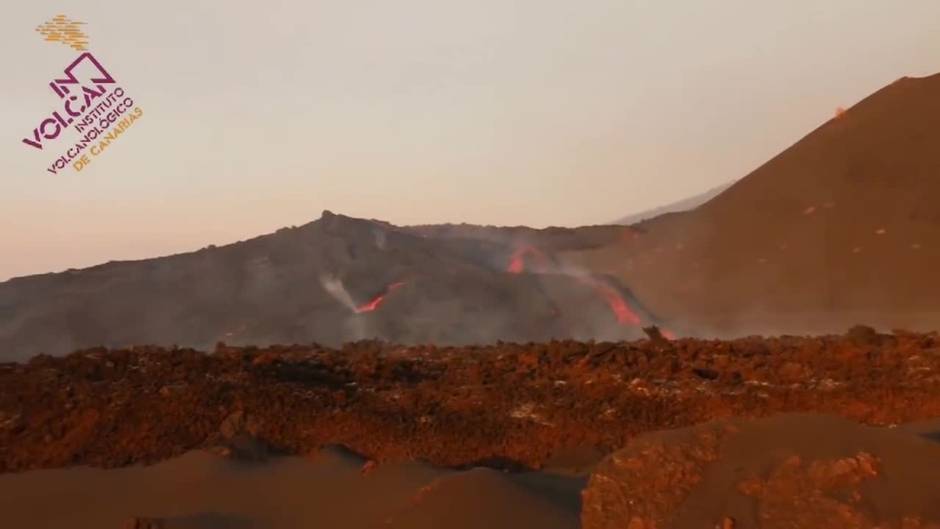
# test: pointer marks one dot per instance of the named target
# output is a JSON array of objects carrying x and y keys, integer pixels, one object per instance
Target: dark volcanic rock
[
  {"x": 317, "y": 283},
  {"x": 507, "y": 405}
]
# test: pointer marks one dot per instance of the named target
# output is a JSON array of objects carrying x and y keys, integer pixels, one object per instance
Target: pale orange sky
[{"x": 260, "y": 115}]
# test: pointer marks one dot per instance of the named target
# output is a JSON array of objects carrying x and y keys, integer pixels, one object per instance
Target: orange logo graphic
[{"x": 65, "y": 30}]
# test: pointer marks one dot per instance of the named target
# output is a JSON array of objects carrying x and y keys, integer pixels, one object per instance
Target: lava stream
[
  {"x": 622, "y": 311},
  {"x": 374, "y": 304},
  {"x": 518, "y": 258}
]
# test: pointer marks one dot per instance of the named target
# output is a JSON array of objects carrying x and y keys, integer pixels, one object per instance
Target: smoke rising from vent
[
  {"x": 335, "y": 288},
  {"x": 381, "y": 240}
]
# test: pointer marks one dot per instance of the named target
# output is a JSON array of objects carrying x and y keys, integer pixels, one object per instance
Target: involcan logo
[{"x": 92, "y": 104}]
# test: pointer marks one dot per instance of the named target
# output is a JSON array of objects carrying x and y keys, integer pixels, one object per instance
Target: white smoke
[
  {"x": 380, "y": 238},
  {"x": 335, "y": 288},
  {"x": 355, "y": 327}
]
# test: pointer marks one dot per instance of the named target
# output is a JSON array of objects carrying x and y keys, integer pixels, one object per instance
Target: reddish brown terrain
[
  {"x": 510, "y": 406},
  {"x": 675, "y": 431},
  {"x": 420, "y": 419},
  {"x": 839, "y": 228},
  {"x": 783, "y": 472},
  {"x": 201, "y": 490}
]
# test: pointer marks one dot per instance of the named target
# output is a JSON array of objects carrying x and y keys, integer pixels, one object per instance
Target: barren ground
[{"x": 503, "y": 406}]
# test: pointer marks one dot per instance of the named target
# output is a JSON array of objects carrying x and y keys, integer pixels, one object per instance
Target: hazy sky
[{"x": 259, "y": 115}]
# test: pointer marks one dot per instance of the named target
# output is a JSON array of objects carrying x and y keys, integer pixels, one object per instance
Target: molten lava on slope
[
  {"x": 376, "y": 301},
  {"x": 622, "y": 310}
]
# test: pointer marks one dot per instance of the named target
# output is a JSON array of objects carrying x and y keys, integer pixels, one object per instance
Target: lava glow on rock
[
  {"x": 517, "y": 261},
  {"x": 377, "y": 301},
  {"x": 622, "y": 310}
]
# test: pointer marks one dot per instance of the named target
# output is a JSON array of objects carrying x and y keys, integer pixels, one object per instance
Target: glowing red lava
[
  {"x": 622, "y": 311},
  {"x": 518, "y": 258},
  {"x": 374, "y": 304}
]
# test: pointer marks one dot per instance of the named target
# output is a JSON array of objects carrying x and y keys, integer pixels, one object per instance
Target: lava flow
[
  {"x": 374, "y": 304},
  {"x": 618, "y": 305},
  {"x": 622, "y": 311},
  {"x": 517, "y": 260}
]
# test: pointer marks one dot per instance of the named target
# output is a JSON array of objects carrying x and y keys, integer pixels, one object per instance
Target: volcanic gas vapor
[
  {"x": 374, "y": 304},
  {"x": 335, "y": 288}
]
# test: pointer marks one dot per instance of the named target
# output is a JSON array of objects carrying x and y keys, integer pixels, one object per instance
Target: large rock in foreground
[{"x": 791, "y": 471}]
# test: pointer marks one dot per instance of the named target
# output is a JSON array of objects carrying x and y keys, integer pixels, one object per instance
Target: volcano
[
  {"x": 334, "y": 280},
  {"x": 842, "y": 227}
]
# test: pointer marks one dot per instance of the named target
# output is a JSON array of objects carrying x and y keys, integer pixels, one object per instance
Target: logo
[
  {"x": 64, "y": 30},
  {"x": 92, "y": 104}
]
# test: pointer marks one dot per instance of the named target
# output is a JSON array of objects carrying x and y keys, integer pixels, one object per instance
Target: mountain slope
[
  {"x": 841, "y": 226},
  {"x": 336, "y": 279},
  {"x": 685, "y": 204}
]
